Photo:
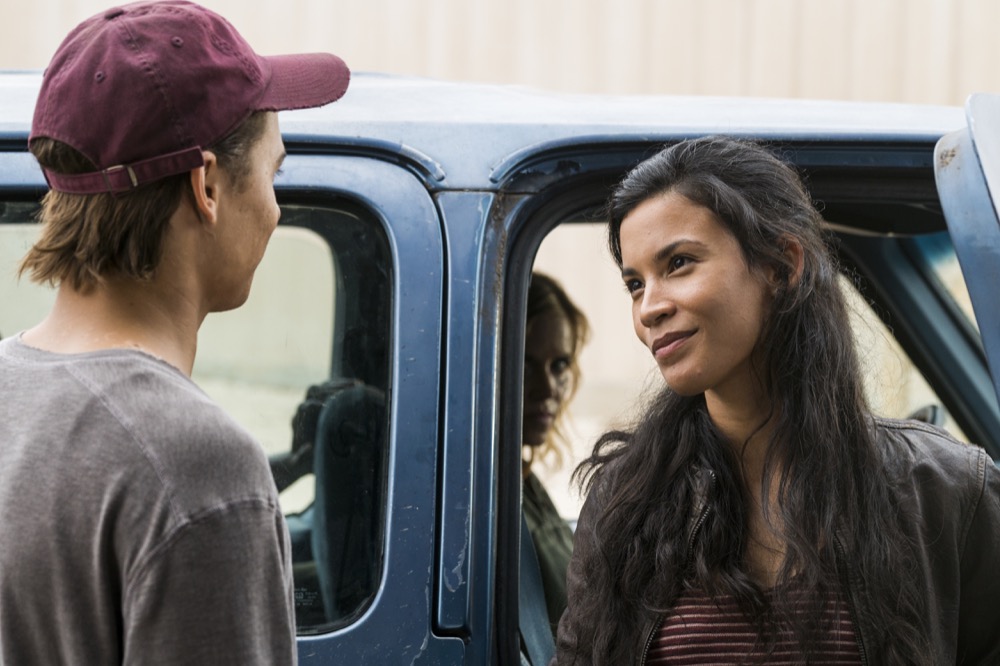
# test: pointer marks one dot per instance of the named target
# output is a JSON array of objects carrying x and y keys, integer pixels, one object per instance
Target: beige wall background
[{"x": 927, "y": 51}]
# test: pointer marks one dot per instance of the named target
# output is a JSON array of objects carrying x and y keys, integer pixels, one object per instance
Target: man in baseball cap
[{"x": 140, "y": 523}]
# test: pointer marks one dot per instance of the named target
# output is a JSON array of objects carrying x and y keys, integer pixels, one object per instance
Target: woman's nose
[
  {"x": 551, "y": 384},
  {"x": 655, "y": 304},
  {"x": 542, "y": 384}
]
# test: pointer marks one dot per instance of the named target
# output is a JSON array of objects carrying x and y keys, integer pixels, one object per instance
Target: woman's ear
[
  {"x": 789, "y": 272},
  {"x": 792, "y": 249},
  {"x": 205, "y": 188}
]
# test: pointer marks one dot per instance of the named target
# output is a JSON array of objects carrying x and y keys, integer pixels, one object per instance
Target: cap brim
[{"x": 304, "y": 81}]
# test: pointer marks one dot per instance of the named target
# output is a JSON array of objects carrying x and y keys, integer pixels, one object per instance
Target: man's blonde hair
[{"x": 86, "y": 237}]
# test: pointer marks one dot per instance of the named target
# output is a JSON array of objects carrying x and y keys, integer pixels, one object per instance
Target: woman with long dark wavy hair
[{"x": 758, "y": 512}]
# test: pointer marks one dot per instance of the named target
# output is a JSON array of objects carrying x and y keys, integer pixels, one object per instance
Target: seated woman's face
[
  {"x": 695, "y": 303},
  {"x": 548, "y": 356}
]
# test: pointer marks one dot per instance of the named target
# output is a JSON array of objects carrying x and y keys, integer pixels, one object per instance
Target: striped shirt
[{"x": 702, "y": 630}]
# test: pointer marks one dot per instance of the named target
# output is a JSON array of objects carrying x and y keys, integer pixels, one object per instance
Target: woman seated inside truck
[{"x": 556, "y": 330}]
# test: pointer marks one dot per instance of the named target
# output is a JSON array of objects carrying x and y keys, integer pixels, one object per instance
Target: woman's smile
[{"x": 665, "y": 345}]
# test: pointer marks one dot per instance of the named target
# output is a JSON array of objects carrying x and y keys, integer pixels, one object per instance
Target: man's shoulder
[
  {"x": 159, "y": 420},
  {"x": 201, "y": 455},
  {"x": 155, "y": 401}
]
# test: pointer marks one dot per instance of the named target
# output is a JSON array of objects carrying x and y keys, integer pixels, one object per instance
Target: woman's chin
[
  {"x": 534, "y": 438},
  {"x": 682, "y": 385}
]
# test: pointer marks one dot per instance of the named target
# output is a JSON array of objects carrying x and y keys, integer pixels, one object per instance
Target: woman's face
[
  {"x": 548, "y": 357},
  {"x": 695, "y": 304}
]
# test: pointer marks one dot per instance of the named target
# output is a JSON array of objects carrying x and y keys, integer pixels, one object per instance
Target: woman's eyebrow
[{"x": 664, "y": 253}]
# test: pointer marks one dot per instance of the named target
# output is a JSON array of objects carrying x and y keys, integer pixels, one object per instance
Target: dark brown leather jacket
[{"x": 953, "y": 492}]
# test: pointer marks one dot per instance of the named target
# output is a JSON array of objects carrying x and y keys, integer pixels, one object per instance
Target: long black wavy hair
[{"x": 830, "y": 480}]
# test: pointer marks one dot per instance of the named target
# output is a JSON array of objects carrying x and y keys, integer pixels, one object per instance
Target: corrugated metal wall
[{"x": 933, "y": 51}]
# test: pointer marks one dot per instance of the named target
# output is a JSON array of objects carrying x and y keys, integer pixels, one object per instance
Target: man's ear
[{"x": 205, "y": 187}]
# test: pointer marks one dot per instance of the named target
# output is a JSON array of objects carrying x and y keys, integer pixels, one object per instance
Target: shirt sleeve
[{"x": 217, "y": 591}]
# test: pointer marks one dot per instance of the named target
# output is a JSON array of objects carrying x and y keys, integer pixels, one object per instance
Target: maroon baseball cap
[{"x": 141, "y": 89}]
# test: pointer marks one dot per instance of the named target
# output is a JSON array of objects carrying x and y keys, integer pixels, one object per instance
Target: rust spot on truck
[{"x": 946, "y": 157}]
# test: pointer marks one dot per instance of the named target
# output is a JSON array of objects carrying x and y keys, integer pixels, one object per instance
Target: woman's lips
[
  {"x": 667, "y": 344},
  {"x": 541, "y": 417}
]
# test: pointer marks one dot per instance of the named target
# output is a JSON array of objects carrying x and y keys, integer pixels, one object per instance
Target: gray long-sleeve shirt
[{"x": 139, "y": 524}]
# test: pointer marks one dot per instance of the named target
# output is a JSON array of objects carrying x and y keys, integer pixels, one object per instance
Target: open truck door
[{"x": 967, "y": 169}]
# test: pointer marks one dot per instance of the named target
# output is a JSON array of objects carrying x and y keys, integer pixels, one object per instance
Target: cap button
[{"x": 114, "y": 13}]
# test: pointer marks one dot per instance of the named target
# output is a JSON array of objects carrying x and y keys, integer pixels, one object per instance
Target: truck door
[{"x": 967, "y": 168}]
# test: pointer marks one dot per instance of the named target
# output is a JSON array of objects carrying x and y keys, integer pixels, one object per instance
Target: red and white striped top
[{"x": 704, "y": 631}]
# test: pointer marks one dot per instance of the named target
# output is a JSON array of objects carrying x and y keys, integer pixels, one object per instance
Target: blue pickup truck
[{"x": 385, "y": 332}]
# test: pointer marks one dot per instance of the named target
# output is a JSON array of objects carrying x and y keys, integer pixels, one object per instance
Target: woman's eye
[
  {"x": 560, "y": 365},
  {"x": 632, "y": 286},
  {"x": 678, "y": 262}
]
